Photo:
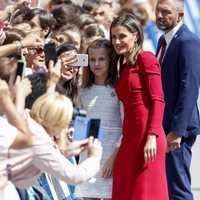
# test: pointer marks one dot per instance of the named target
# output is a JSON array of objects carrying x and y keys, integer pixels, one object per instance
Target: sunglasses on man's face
[
  {"x": 58, "y": 2},
  {"x": 37, "y": 50}
]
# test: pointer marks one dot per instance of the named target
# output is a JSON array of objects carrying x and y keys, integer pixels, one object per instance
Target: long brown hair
[
  {"x": 130, "y": 22},
  {"x": 70, "y": 87},
  {"x": 88, "y": 76}
]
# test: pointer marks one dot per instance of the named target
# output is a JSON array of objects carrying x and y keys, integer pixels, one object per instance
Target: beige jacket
[{"x": 27, "y": 164}]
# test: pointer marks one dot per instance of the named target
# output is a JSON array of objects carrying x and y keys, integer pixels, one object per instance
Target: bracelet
[{"x": 18, "y": 45}]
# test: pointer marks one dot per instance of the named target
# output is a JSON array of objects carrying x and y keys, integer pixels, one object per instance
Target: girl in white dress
[{"x": 99, "y": 99}]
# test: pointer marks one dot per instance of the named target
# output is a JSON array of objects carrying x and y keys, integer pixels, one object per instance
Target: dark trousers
[{"x": 178, "y": 170}]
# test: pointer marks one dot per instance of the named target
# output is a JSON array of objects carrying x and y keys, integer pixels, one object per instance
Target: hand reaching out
[
  {"x": 53, "y": 74},
  {"x": 22, "y": 87},
  {"x": 5, "y": 97},
  {"x": 74, "y": 148},
  {"x": 32, "y": 40},
  {"x": 94, "y": 148},
  {"x": 68, "y": 59}
]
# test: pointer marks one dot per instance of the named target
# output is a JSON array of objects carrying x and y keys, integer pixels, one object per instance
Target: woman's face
[
  {"x": 67, "y": 72},
  {"x": 123, "y": 40}
]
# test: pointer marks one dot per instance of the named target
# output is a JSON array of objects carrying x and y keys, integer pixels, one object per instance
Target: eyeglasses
[
  {"x": 58, "y": 2},
  {"x": 37, "y": 50}
]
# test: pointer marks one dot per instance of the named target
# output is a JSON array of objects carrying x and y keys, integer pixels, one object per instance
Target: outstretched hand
[
  {"x": 94, "y": 148},
  {"x": 53, "y": 74},
  {"x": 4, "y": 93},
  {"x": 74, "y": 148},
  {"x": 33, "y": 39}
]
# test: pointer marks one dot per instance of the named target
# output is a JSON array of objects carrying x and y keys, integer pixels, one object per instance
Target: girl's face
[
  {"x": 67, "y": 72},
  {"x": 123, "y": 40},
  {"x": 99, "y": 63}
]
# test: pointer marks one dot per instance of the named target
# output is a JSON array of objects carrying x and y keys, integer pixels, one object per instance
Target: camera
[{"x": 78, "y": 112}]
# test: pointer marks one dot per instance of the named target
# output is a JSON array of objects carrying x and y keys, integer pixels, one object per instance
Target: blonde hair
[{"x": 52, "y": 110}]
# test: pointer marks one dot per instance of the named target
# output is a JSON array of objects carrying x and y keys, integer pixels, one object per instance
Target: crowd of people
[{"x": 142, "y": 81}]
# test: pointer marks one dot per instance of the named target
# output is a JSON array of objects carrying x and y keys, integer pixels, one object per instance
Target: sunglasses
[
  {"x": 58, "y": 2},
  {"x": 38, "y": 50}
]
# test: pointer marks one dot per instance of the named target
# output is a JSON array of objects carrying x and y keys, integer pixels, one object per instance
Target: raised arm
[{"x": 24, "y": 136}]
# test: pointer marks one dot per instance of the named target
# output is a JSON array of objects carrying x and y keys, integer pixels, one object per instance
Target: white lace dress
[{"x": 101, "y": 102}]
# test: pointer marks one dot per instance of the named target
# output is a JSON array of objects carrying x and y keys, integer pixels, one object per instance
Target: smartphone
[
  {"x": 94, "y": 128},
  {"x": 81, "y": 128},
  {"x": 21, "y": 64},
  {"x": 50, "y": 53},
  {"x": 85, "y": 127},
  {"x": 82, "y": 61}
]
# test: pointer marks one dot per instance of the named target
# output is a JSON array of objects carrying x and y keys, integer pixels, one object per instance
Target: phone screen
[
  {"x": 94, "y": 128},
  {"x": 50, "y": 53},
  {"x": 20, "y": 69}
]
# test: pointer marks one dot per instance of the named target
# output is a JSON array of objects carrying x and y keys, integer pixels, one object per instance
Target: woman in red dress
[{"x": 139, "y": 170}]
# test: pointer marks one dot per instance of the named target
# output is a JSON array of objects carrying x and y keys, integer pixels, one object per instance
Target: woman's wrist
[{"x": 151, "y": 135}]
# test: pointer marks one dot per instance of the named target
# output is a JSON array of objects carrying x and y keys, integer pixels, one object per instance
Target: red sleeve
[{"x": 150, "y": 68}]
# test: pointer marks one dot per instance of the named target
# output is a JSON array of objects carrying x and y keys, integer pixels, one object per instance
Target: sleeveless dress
[
  {"x": 101, "y": 102},
  {"x": 139, "y": 88}
]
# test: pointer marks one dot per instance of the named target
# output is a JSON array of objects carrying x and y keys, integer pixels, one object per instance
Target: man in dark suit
[{"x": 179, "y": 56}]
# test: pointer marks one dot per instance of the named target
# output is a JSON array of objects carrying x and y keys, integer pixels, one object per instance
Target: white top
[
  {"x": 8, "y": 133},
  {"x": 171, "y": 34},
  {"x": 27, "y": 164},
  {"x": 101, "y": 102}
]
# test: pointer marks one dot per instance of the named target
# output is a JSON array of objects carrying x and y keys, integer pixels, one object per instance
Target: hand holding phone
[
  {"x": 82, "y": 61},
  {"x": 21, "y": 64},
  {"x": 50, "y": 53}
]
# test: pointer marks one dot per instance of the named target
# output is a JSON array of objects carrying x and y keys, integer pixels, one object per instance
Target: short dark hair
[
  {"x": 45, "y": 18},
  {"x": 39, "y": 87}
]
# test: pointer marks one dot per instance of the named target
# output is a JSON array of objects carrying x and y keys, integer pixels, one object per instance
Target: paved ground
[{"x": 195, "y": 169}]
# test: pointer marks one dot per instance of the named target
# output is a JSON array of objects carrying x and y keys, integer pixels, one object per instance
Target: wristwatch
[{"x": 18, "y": 45}]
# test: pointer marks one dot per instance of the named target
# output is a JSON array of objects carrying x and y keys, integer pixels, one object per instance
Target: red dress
[{"x": 140, "y": 91}]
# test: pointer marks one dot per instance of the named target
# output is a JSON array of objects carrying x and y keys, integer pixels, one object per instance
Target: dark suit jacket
[{"x": 181, "y": 79}]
